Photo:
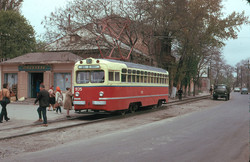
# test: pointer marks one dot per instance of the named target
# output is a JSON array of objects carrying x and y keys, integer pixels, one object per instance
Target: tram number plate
[{"x": 78, "y": 88}]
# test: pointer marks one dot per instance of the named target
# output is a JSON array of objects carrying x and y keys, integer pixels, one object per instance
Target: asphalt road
[{"x": 218, "y": 134}]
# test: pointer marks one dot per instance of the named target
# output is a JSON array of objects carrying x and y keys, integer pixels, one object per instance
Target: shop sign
[{"x": 34, "y": 68}]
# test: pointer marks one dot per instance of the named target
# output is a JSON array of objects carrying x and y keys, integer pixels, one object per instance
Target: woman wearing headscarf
[{"x": 59, "y": 100}]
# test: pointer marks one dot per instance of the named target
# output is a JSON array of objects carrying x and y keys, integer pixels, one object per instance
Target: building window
[
  {"x": 11, "y": 79},
  {"x": 63, "y": 80}
]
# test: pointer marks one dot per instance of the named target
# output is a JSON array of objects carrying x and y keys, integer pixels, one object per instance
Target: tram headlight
[
  {"x": 77, "y": 94},
  {"x": 101, "y": 94}
]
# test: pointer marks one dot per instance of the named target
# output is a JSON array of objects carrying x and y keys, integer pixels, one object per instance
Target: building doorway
[{"x": 35, "y": 79}]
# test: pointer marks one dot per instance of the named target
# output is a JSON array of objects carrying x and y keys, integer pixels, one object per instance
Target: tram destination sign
[{"x": 34, "y": 68}]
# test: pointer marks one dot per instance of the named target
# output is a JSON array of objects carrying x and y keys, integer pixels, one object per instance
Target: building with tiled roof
[{"x": 25, "y": 73}]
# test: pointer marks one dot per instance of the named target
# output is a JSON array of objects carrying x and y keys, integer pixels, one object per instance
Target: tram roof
[{"x": 137, "y": 66}]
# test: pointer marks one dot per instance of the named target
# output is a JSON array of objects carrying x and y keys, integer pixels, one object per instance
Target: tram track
[{"x": 32, "y": 129}]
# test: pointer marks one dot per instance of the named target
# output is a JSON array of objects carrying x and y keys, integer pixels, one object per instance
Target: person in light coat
[{"x": 68, "y": 101}]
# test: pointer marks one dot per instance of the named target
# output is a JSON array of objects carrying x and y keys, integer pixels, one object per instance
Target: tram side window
[
  {"x": 111, "y": 76},
  {"x": 117, "y": 76},
  {"x": 124, "y": 78},
  {"x": 133, "y": 78},
  {"x": 145, "y": 79},
  {"x": 129, "y": 78}
]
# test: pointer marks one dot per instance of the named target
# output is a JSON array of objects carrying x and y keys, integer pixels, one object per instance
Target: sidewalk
[
  {"x": 21, "y": 114},
  {"x": 183, "y": 97}
]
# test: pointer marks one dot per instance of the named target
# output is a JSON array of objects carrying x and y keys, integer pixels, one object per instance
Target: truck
[{"x": 221, "y": 91}]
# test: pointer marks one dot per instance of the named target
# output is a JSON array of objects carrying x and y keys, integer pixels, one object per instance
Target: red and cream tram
[{"x": 112, "y": 85}]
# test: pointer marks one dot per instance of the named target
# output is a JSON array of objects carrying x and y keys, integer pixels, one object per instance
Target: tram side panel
[{"x": 112, "y": 98}]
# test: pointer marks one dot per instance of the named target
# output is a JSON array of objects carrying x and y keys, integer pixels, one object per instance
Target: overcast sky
[{"x": 234, "y": 51}]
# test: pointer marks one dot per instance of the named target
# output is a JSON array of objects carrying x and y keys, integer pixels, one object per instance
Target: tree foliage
[
  {"x": 16, "y": 35},
  {"x": 10, "y": 5},
  {"x": 192, "y": 30}
]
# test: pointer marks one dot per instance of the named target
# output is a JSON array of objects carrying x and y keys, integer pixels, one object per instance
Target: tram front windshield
[{"x": 96, "y": 76}]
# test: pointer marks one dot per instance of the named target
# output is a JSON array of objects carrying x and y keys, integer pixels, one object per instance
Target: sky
[{"x": 234, "y": 51}]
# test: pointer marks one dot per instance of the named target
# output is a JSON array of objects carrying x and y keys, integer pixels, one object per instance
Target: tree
[
  {"x": 243, "y": 73},
  {"x": 10, "y": 5},
  {"x": 205, "y": 29},
  {"x": 190, "y": 29},
  {"x": 16, "y": 35}
]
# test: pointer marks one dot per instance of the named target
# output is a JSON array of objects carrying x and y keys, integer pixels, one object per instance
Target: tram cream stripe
[{"x": 120, "y": 98}]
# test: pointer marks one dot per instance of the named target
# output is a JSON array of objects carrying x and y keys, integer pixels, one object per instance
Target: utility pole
[
  {"x": 241, "y": 77},
  {"x": 248, "y": 74}
]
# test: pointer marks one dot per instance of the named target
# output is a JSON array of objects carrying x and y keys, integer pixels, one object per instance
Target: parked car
[
  {"x": 236, "y": 89},
  {"x": 221, "y": 91},
  {"x": 244, "y": 91}
]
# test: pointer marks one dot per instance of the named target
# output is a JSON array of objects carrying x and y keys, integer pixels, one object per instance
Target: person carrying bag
[{"x": 5, "y": 99}]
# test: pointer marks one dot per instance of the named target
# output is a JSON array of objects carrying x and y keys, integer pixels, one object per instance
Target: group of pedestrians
[{"x": 53, "y": 100}]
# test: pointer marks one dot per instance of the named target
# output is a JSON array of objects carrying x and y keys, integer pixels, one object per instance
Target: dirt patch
[{"x": 46, "y": 140}]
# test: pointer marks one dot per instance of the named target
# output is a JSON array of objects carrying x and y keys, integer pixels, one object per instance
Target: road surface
[{"x": 219, "y": 133}]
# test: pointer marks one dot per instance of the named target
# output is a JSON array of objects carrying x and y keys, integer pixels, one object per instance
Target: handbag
[{"x": 6, "y": 100}]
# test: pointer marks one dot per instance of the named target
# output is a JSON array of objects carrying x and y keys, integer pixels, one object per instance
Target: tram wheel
[
  {"x": 133, "y": 108},
  {"x": 159, "y": 103},
  {"x": 122, "y": 112}
]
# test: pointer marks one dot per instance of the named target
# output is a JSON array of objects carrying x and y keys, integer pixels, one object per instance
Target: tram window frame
[{"x": 129, "y": 71}]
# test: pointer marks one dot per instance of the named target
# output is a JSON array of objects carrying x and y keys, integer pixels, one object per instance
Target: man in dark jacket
[{"x": 43, "y": 98}]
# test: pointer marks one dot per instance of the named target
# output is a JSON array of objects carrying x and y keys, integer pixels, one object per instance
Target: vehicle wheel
[
  {"x": 132, "y": 108},
  {"x": 159, "y": 103},
  {"x": 122, "y": 112},
  {"x": 226, "y": 98}
]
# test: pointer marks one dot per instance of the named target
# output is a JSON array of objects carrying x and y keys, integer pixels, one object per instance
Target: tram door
[{"x": 35, "y": 79}]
